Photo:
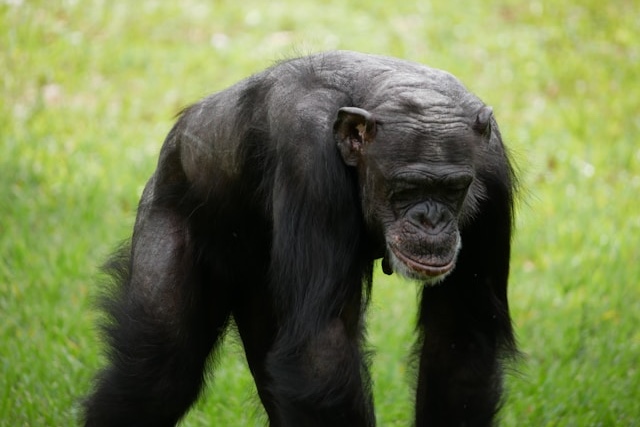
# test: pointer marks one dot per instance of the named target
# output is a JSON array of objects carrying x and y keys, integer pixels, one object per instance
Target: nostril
[
  {"x": 425, "y": 220},
  {"x": 432, "y": 219}
]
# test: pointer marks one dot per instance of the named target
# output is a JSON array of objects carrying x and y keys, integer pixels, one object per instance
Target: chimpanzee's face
[
  {"x": 417, "y": 183},
  {"x": 417, "y": 207}
]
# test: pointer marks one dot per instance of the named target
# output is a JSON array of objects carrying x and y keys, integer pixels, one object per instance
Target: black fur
[{"x": 271, "y": 201}]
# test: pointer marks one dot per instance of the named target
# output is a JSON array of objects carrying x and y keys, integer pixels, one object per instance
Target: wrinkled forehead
[
  {"x": 429, "y": 106},
  {"x": 394, "y": 153},
  {"x": 428, "y": 133},
  {"x": 424, "y": 121}
]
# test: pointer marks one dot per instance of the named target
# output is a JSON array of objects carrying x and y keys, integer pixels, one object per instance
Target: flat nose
[{"x": 430, "y": 217}]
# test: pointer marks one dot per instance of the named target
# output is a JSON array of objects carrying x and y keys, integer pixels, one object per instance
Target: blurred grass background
[{"x": 90, "y": 88}]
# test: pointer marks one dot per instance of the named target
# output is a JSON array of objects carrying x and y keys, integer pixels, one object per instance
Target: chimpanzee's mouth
[
  {"x": 414, "y": 268},
  {"x": 431, "y": 270}
]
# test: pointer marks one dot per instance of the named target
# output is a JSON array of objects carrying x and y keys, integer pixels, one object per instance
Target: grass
[{"x": 89, "y": 89}]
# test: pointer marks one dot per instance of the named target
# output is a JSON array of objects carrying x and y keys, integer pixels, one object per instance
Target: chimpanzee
[{"x": 270, "y": 202}]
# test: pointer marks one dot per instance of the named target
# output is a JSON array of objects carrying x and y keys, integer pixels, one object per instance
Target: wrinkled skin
[
  {"x": 269, "y": 205},
  {"x": 415, "y": 203}
]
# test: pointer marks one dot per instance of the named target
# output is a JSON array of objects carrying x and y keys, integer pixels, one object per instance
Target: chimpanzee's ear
[
  {"x": 353, "y": 128},
  {"x": 482, "y": 125}
]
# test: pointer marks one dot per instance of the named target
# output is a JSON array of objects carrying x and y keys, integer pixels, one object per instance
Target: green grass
[{"x": 90, "y": 88}]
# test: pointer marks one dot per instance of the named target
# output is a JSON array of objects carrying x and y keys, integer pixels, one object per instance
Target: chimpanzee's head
[{"x": 418, "y": 184}]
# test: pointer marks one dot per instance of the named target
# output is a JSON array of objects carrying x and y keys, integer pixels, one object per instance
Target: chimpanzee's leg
[
  {"x": 309, "y": 371},
  {"x": 255, "y": 318},
  {"x": 459, "y": 382},
  {"x": 465, "y": 336},
  {"x": 166, "y": 316},
  {"x": 303, "y": 332}
]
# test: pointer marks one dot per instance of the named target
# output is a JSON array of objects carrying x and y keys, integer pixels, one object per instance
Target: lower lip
[{"x": 428, "y": 270}]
